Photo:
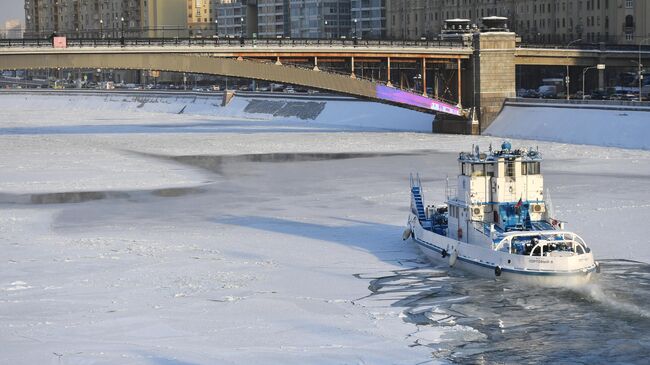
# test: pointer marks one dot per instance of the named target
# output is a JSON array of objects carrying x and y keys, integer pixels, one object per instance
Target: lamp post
[
  {"x": 567, "y": 79},
  {"x": 101, "y": 28},
  {"x": 325, "y": 30},
  {"x": 599, "y": 66},
  {"x": 241, "y": 21},
  {"x": 355, "y": 28},
  {"x": 122, "y": 24},
  {"x": 216, "y": 28}
]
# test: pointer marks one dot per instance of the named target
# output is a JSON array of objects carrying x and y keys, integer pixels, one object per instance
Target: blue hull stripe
[{"x": 513, "y": 271}]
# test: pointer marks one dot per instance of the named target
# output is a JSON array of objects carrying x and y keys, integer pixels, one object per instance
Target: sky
[{"x": 11, "y": 9}]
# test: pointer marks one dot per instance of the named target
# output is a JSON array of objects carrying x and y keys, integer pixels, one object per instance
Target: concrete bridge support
[
  {"x": 493, "y": 66},
  {"x": 489, "y": 78}
]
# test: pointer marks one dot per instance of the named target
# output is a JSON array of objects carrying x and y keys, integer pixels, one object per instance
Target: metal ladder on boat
[{"x": 416, "y": 196}]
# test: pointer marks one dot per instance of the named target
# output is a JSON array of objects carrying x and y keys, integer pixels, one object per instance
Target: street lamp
[
  {"x": 355, "y": 27},
  {"x": 122, "y": 21},
  {"x": 567, "y": 79},
  {"x": 216, "y": 28},
  {"x": 599, "y": 66},
  {"x": 101, "y": 28},
  {"x": 325, "y": 30}
]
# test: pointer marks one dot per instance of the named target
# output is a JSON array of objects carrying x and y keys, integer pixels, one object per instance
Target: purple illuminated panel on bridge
[{"x": 403, "y": 97}]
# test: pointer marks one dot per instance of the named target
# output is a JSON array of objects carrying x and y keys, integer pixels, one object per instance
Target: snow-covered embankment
[
  {"x": 318, "y": 109},
  {"x": 601, "y": 125}
]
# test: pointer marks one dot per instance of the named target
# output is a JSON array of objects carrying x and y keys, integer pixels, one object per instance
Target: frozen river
[{"x": 141, "y": 238}]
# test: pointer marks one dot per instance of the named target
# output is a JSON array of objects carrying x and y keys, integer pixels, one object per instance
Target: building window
[{"x": 629, "y": 4}]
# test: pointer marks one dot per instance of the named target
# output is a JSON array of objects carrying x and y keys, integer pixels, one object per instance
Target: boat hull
[{"x": 484, "y": 262}]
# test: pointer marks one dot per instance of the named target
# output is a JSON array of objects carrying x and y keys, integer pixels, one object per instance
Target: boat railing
[
  {"x": 450, "y": 190},
  {"x": 542, "y": 240},
  {"x": 415, "y": 181}
]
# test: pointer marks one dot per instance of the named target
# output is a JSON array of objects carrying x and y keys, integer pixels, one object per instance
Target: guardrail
[
  {"x": 231, "y": 41},
  {"x": 587, "y": 47},
  {"x": 578, "y": 102}
]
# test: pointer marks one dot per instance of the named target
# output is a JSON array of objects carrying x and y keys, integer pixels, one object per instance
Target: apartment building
[
  {"x": 543, "y": 21},
  {"x": 200, "y": 17},
  {"x": 12, "y": 29},
  {"x": 369, "y": 18},
  {"x": 273, "y": 18},
  {"x": 320, "y": 18},
  {"x": 236, "y": 17},
  {"x": 103, "y": 18}
]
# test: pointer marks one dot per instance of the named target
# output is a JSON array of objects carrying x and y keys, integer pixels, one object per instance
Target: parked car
[
  {"x": 547, "y": 91},
  {"x": 530, "y": 94},
  {"x": 598, "y": 95},
  {"x": 623, "y": 93}
]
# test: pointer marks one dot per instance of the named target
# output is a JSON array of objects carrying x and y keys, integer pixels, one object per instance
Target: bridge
[
  {"x": 477, "y": 72},
  {"x": 276, "y": 60}
]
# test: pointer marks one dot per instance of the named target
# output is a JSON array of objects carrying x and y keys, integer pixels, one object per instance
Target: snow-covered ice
[{"x": 206, "y": 239}]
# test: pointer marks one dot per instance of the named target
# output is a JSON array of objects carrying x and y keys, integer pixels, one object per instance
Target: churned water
[{"x": 605, "y": 322}]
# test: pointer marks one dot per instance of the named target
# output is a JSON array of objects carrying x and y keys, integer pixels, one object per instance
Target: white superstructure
[{"x": 497, "y": 222}]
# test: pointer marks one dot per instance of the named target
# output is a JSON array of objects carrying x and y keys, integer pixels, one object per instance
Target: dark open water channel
[{"x": 607, "y": 322}]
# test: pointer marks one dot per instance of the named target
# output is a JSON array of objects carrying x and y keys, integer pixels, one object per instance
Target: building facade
[
  {"x": 542, "y": 21},
  {"x": 369, "y": 18},
  {"x": 273, "y": 18},
  {"x": 236, "y": 17},
  {"x": 104, "y": 18},
  {"x": 12, "y": 29},
  {"x": 200, "y": 17},
  {"x": 320, "y": 18}
]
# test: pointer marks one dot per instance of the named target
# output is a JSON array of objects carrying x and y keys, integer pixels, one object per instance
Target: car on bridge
[{"x": 623, "y": 93}]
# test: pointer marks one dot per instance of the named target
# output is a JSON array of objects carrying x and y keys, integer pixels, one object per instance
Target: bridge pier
[
  {"x": 388, "y": 83},
  {"x": 424, "y": 76},
  {"x": 492, "y": 68}
]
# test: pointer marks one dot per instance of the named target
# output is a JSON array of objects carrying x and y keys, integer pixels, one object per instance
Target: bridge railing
[
  {"x": 580, "y": 102},
  {"x": 588, "y": 47},
  {"x": 232, "y": 41}
]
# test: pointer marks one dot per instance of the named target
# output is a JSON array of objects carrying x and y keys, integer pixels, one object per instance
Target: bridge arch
[{"x": 222, "y": 66}]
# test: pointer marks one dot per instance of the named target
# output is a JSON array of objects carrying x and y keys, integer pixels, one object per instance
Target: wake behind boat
[{"x": 497, "y": 222}]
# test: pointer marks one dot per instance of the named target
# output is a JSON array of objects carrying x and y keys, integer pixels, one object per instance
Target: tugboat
[{"x": 497, "y": 223}]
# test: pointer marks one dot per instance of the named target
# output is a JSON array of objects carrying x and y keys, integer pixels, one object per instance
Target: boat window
[
  {"x": 530, "y": 168},
  {"x": 537, "y": 251},
  {"x": 510, "y": 167},
  {"x": 466, "y": 169},
  {"x": 478, "y": 169},
  {"x": 490, "y": 170}
]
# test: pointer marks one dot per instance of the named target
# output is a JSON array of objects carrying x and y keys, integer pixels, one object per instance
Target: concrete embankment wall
[
  {"x": 620, "y": 124},
  {"x": 318, "y": 109}
]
